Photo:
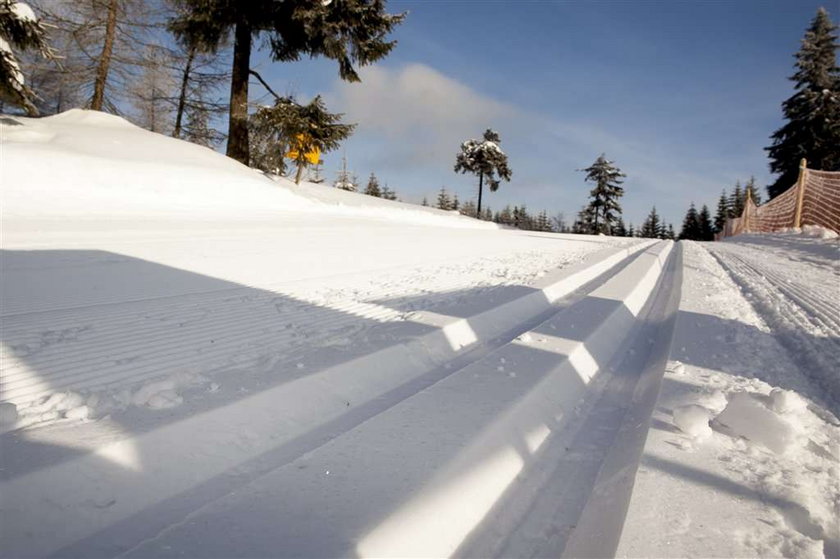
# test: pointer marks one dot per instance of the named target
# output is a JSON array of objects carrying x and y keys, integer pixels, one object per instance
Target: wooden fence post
[
  {"x": 746, "y": 212},
  {"x": 800, "y": 195}
]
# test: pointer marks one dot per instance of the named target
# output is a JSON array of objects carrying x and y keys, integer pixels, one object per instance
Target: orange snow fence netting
[{"x": 813, "y": 200}]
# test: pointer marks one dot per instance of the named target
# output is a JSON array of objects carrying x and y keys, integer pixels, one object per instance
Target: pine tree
[
  {"x": 308, "y": 130},
  {"x": 669, "y": 232},
  {"x": 19, "y": 28},
  {"x": 372, "y": 188},
  {"x": 754, "y": 193},
  {"x": 691, "y": 228},
  {"x": 455, "y": 203},
  {"x": 707, "y": 232},
  {"x": 605, "y": 207},
  {"x": 443, "y": 200},
  {"x": 349, "y": 32},
  {"x": 631, "y": 231},
  {"x": 388, "y": 194},
  {"x": 468, "y": 208},
  {"x": 344, "y": 181},
  {"x": 425, "y": 202},
  {"x": 736, "y": 200},
  {"x": 723, "y": 212},
  {"x": 585, "y": 221},
  {"x": 485, "y": 159},
  {"x": 619, "y": 230},
  {"x": 488, "y": 214},
  {"x": 812, "y": 130},
  {"x": 651, "y": 226},
  {"x": 542, "y": 222}
]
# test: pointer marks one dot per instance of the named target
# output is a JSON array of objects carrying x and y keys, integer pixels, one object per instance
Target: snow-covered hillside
[{"x": 198, "y": 360}]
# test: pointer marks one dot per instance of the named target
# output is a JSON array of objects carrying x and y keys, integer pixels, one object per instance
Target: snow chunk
[
  {"x": 8, "y": 413},
  {"x": 784, "y": 401},
  {"x": 693, "y": 420},
  {"x": 746, "y": 415}
]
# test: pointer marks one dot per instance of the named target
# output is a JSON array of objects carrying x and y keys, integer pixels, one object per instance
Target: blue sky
[{"x": 683, "y": 96}]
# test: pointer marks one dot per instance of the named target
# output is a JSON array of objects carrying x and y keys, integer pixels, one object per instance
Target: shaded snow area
[{"x": 742, "y": 456}]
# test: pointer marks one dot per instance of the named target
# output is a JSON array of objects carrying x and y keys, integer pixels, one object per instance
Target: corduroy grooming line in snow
[{"x": 813, "y": 200}]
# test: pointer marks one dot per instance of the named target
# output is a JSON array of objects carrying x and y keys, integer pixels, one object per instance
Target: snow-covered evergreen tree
[
  {"x": 631, "y": 231},
  {"x": 344, "y": 181},
  {"x": 604, "y": 197},
  {"x": 455, "y": 202},
  {"x": 812, "y": 130},
  {"x": 20, "y": 29},
  {"x": 619, "y": 230},
  {"x": 669, "y": 232},
  {"x": 585, "y": 221},
  {"x": 372, "y": 188},
  {"x": 425, "y": 202},
  {"x": 444, "y": 202},
  {"x": 486, "y": 159}
]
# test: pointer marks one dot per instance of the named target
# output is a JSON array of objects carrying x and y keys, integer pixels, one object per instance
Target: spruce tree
[
  {"x": 425, "y": 202},
  {"x": 344, "y": 180},
  {"x": 387, "y": 193},
  {"x": 669, "y": 232},
  {"x": 347, "y": 31},
  {"x": 585, "y": 221},
  {"x": 812, "y": 130},
  {"x": 308, "y": 130},
  {"x": 444, "y": 202},
  {"x": 752, "y": 188},
  {"x": 604, "y": 204},
  {"x": 707, "y": 232},
  {"x": 651, "y": 226},
  {"x": 619, "y": 230},
  {"x": 723, "y": 212},
  {"x": 691, "y": 229},
  {"x": 372, "y": 188},
  {"x": 736, "y": 200},
  {"x": 19, "y": 28},
  {"x": 455, "y": 203},
  {"x": 631, "y": 231},
  {"x": 486, "y": 159}
]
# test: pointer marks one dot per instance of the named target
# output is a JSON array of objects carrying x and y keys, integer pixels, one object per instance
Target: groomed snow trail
[
  {"x": 737, "y": 461},
  {"x": 798, "y": 299}
]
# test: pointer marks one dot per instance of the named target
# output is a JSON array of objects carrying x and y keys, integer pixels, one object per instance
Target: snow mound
[
  {"x": 92, "y": 165},
  {"x": 693, "y": 420},
  {"x": 753, "y": 417}
]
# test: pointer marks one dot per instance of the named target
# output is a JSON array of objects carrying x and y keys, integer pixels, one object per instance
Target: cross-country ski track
[{"x": 207, "y": 362}]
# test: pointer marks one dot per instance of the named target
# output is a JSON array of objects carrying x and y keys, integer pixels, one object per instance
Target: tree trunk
[
  {"x": 237, "y": 146},
  {"x": 480, "y": 184},
  {"x": 182, "y": 97},
  {"x": 98, "y": 99},
  {"x": 299, "y": 172}
]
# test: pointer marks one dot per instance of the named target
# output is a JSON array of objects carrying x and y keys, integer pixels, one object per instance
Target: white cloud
[{"x": 423, "y": 115}]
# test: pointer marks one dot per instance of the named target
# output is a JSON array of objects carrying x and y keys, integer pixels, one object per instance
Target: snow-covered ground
[
  {"x": 200, "y": 360},
  {"x": 756, "y": 352}
]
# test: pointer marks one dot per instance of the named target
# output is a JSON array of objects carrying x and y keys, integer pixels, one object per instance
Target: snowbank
[{"x": 93, "y": 165}]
